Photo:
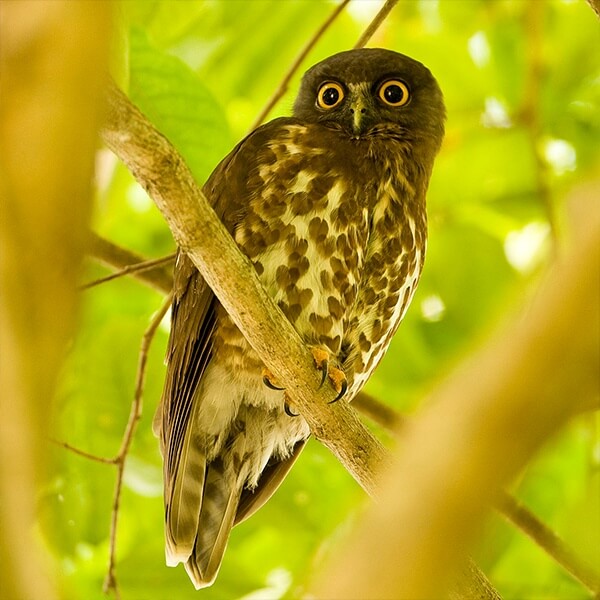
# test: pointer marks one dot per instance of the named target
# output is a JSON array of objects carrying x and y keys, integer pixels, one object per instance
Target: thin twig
[
  {"x": 112, "y": 255},
  {"x": 110, "y": 582},
  {"x": 513, "y": 510},
  {"x": 283, "y": 86},
  {"x": 138, "y": 267},
  {"x": 378, "y": 412},
  {"x": 84, "y": 454},
  {"x": 375, "y": 23},
  {"x": 554, "y": 546}
]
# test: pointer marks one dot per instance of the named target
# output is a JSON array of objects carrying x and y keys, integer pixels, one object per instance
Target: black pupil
[
  {"x": 393, "y": 93},
  {"x": 330, "y": 96}
]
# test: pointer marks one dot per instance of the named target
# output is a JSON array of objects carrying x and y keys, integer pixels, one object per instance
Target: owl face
[{"x": 359, "y": 90}]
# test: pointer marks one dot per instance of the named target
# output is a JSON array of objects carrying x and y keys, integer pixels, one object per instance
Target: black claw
[
  {"x": 268, "y": 383},
  {"x": 287, "y": 410},
  {"x": 342, "y": 392},
  {"x": 325, "y": 369}
]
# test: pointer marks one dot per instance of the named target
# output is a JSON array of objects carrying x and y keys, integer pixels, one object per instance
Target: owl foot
[
  {"x": 339, "y": 381},
  {"x": 335, "y": 375},
  {"x": 287, "y": 410},
  {"x": 268, "y": 379}
]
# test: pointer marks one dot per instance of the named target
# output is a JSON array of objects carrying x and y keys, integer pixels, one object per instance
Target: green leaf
[{"x": 172, "y": 96}]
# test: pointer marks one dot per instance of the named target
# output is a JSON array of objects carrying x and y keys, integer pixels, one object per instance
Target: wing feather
[
  {"x": 270, "y": 480},
  {"x": 193, "y": 319}
]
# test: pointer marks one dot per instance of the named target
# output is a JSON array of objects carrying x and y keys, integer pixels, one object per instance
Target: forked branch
[{"x": 110, "y": 582}]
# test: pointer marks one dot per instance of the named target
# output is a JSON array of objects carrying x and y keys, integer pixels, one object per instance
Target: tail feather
[
  {"x": 219, "y": 507},
  {"x": 183, "y": 500}
]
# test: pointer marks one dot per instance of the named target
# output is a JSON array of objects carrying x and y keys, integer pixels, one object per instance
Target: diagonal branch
[
  {"x": 229, "y": 273},
  {"x": 519, "y": 515}
]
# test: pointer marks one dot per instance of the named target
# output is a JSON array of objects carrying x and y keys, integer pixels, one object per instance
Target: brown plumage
[{"x": 329, "y": 205}]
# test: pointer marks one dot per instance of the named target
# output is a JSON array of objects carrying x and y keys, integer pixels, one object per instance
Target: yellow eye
[
  {"x": 330, "y": 95},
  {"x": 394, "y": 92}
]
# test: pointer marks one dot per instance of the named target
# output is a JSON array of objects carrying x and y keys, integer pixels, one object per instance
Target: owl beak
[
  {"x": 357, "y": 110},
  {"x": 358, "y": 114}
]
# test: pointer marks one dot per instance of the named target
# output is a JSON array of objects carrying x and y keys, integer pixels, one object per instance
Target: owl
[{"x": 329, "y": 206}]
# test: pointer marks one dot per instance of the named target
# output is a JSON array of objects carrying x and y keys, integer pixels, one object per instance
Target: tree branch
[
  {"x": 84, "y": 454},
  {"x": 595, "y": 5},
  {"x": 519, "y": 515},
  {"x": 235, "y": 282},
  {"x": 110, "y": 582},
  {"x": 378, "y": 412},
  {"x": 229, "y": 273},
  {"x": 132, "y": 269}
]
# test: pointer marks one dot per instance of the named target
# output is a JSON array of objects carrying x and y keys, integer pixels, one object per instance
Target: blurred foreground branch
[
  {"x": 595, "y": 4},
  {"x": 50, "y": 104},
  {"x": 480, "y": 428},
  {"x": 513, "y": 510}
]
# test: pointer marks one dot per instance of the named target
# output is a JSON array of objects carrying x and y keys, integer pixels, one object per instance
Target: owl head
[{"x": 360, "y": 90}]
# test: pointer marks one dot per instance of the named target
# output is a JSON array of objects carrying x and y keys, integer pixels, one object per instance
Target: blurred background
[{"x": 522, "y": 86}]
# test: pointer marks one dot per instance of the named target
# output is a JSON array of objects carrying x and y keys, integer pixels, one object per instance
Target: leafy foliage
[{"x": 523, "y": 127}]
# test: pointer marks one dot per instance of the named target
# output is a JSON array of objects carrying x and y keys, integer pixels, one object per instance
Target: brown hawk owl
[{"x": 329, "y": 205}]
